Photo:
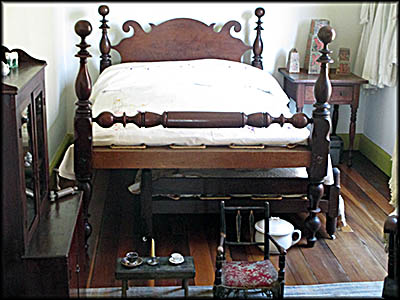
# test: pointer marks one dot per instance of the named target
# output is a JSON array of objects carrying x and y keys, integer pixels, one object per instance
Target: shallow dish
[
  {"x": 126, "y": 263},
  {"x": 176, "y": 262}
]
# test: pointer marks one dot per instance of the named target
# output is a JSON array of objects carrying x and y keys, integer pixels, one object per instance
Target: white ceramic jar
[{"x": 281, "y": 230}]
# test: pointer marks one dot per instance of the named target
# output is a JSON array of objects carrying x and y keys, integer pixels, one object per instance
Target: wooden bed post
[
  {"x": 258, "y": 44},
  {"x": 83, "y": 125},
  {"x": 105, "y": 45},
  {"x": 320, "y": 140}
]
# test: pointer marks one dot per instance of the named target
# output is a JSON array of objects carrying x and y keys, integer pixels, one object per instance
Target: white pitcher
[{"x": 281, "y": 230}]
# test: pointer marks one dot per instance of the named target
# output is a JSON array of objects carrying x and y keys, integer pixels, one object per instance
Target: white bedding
[{"x": 195, "y": 85}]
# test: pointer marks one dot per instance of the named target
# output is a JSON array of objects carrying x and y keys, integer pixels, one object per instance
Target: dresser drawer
[{"x": 340, "y": 94}]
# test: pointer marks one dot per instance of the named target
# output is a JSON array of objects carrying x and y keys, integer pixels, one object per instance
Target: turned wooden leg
[
  {"x": 331, "y": 224},
  {"x": 185, "y": 286},
  {"x": 146, "y": 210},
  {"x": 312, "y": 222},
  {"x": 335, "y": 118},
  {"x": 352, "y": 133},
  {"x": 124, "y": 288},
  {"x": 333, "y": 206}
]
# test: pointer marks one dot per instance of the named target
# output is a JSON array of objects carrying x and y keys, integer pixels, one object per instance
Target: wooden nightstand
[{"x": 345, "y": 90}]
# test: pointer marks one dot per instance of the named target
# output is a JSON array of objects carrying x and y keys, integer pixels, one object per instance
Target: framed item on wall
[
  {"x": 344, "y": 61},
  {"x": 313, "y": 46}
]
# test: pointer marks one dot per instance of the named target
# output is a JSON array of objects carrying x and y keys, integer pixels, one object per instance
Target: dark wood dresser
[
  {"x": 38, "y": 238},
  {"x": 55, "y": 259}
]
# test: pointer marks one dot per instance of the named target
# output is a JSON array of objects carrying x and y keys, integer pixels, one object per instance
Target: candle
[{"x": 153, "y": 248}]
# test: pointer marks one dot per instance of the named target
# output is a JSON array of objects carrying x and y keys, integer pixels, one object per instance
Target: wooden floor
[{"x": 357, "y": 253}]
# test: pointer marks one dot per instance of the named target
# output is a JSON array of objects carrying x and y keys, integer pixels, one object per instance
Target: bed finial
[
  {"x": 326, "y": 34},
  {"x": 105, "y": 46},
  {"x": 258, "y": 44},
  {"x": 323, "y": 88},
  {"x": 83, "y": 28},
  {"x": 83, "y": 85}
]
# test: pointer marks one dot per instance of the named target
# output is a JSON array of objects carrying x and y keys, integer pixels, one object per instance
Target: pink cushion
[{"x": 247, "y": 274}]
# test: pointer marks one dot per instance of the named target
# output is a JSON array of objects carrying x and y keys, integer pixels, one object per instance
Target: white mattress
[{"x": 196, "y": 85}]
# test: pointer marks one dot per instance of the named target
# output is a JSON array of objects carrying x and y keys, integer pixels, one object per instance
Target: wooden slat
[
  {"x": 349, "y": 248},
  {"x": 201, "y": 254},
  {"x": 299, "y": 268},
  {"x": 368, "y": 230},
  {"x": 107, "y": 250},
  {"x": 374, "y": 176},
  {"x": 324, "y": 264},
  {"x": 367, "y": 188},
  {"x": 372, "y": 216}
]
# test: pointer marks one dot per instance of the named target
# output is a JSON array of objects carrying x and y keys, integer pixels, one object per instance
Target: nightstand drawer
[{"x": 340, "y": 94}]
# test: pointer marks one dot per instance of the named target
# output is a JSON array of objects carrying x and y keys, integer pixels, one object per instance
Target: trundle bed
[{"x": 181, "y": 99}]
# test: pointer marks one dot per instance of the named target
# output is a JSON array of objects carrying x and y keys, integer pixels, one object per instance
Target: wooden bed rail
[{"x": 186, "y": 119}]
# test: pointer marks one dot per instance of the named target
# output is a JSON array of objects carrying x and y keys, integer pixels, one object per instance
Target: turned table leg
[
  {"x": 124, "y": 288},
  {"x": 352, "y": 133},
  {"x": 185, "y": 286},
  {"x": 335, "y": 118},
  {"x": 146, "y": 210}
]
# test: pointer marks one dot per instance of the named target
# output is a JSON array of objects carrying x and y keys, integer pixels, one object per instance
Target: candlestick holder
[{"x": 153, "y": 261}]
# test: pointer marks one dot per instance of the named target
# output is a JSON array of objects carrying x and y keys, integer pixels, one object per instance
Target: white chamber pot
[{"x": 281, "y": 230}]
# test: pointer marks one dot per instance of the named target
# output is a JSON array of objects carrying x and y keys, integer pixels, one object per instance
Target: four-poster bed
[{"x": 186, "y": 40}]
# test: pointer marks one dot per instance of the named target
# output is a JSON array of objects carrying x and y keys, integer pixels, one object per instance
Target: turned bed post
[
  {"x": 320, "y": 140},
  {"x": 258, "y": 44},
  {"x": 105, "y": 45},
  {"x": 83, "y": 125}
]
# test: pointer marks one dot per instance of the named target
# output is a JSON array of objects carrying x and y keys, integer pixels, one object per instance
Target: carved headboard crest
[{"x": 180, "y": 39}]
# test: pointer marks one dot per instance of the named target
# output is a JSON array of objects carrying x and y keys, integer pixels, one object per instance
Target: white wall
[
  {"x": 382, "y": 115},
  {"x": 46, "y": 31},
  {"x": 34, "y": 29}
]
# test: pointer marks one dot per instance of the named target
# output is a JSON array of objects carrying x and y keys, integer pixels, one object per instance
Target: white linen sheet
[{"x": 195, "y": 85}]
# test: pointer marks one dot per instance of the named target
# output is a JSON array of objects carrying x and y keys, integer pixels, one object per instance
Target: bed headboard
[{"x": 178, "y": 39}]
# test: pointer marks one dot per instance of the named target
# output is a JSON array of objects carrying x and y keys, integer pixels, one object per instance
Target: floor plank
[{"x": 299, "y": 268}]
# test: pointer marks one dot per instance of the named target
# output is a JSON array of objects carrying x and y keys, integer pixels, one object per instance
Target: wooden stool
[{"x": 164, "y": 270}]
